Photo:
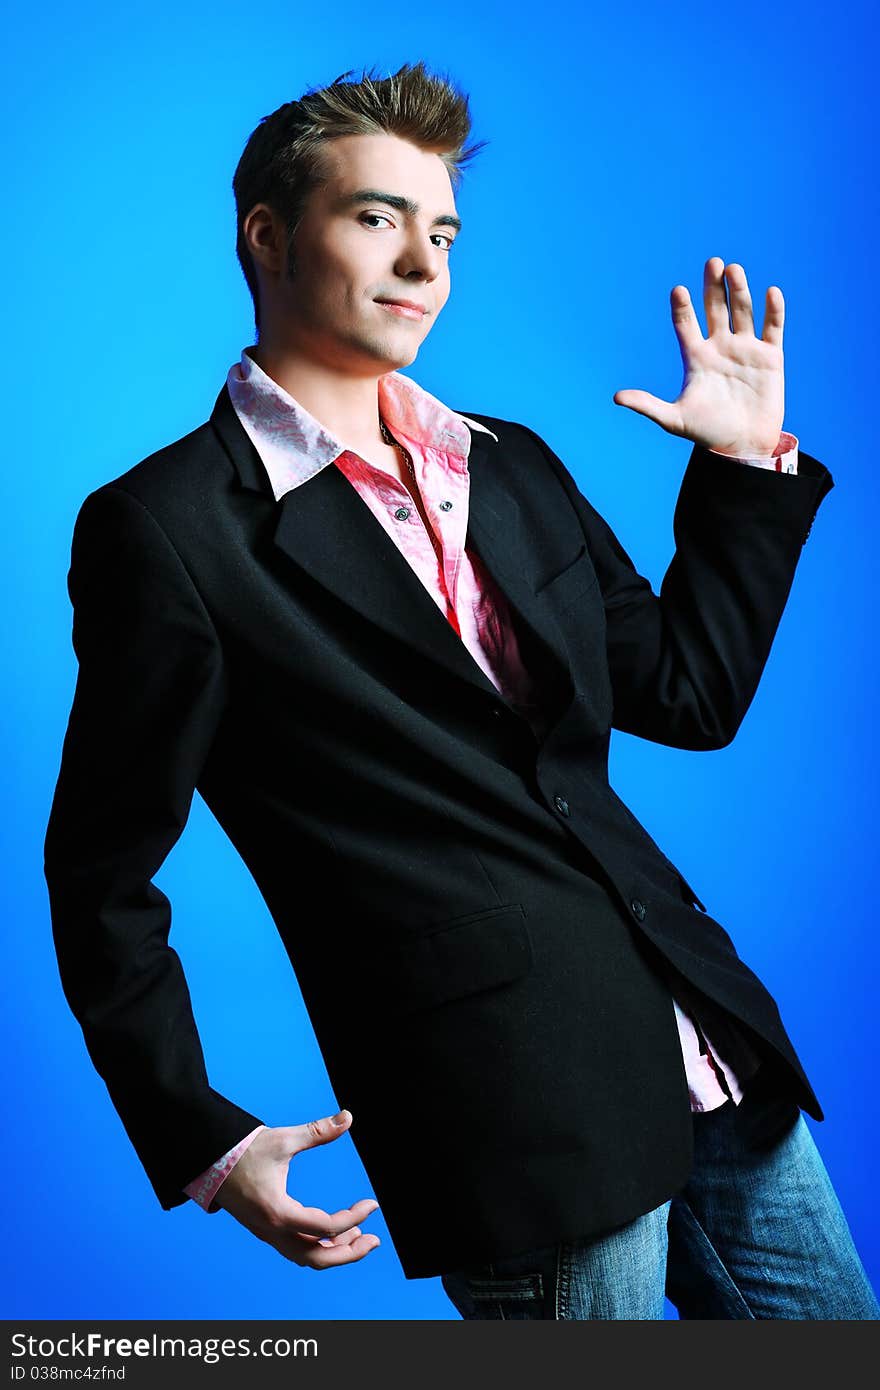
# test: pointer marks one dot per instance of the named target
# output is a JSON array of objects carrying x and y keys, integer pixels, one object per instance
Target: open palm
[{"x": 733, "y": 394}]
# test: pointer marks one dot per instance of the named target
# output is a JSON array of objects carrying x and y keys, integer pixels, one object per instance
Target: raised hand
[
  {"x": 255, "y": 1193},
  {"x": 732, "y": 397}
]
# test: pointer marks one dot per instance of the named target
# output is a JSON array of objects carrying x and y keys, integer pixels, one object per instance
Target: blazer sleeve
[
  {"x": 685, "y": 663},
  {"x": 150, "y": 692}
]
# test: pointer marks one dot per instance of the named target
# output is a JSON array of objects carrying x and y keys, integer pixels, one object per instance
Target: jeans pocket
[{"x": 520, "y": 1287}]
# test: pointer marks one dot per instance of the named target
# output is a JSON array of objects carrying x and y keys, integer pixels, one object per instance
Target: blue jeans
[{"x": 752, "y": 1235}]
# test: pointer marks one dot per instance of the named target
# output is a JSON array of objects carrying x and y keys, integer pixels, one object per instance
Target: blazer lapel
[{"x": 326, "y": 529}]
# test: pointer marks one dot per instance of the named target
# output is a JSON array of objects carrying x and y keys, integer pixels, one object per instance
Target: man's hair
[{"x": 282, "y": 162}]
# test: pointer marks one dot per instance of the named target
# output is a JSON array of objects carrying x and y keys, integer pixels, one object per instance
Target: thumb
[
  {"x": 324, "y": 1131},
  {"x": 664, "y": 413}
]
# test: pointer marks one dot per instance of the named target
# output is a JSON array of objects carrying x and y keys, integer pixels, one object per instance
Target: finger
[
  {"x": 310, "y": 1252},
  {"x": 323, "y": 1131},
  {"x": 329, "y": 1256},
  {"x": 316, "y": 1222},
  {"x": 715, "y": 297},
  {"x": 684, "y": 320},
  {"x": 344, "y": 1237},
  {"x": 774, "y": 316},
  {"x": 740, "y": 299},
  {"x": 665, "y": 413}
]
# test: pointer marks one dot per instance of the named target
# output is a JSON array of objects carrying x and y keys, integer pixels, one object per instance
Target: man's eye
[{"x": 383, "y": 217}]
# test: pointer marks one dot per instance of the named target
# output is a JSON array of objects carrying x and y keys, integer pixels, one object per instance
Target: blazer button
[
  {"x": 561, "y": 805},
  {"x": 446, "y": 506},
  {"x": 402, "y": 513},
  {"x": 638, "y": 908}
]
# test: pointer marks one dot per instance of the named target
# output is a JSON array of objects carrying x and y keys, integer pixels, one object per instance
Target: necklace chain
[{"x": 389, "y": 439}]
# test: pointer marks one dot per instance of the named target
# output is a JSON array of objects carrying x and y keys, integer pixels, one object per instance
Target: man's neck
[{"x": 347, "y": 406}]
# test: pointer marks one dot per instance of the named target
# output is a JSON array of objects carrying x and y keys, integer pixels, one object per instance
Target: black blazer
[{"x": 510, "y": 925}]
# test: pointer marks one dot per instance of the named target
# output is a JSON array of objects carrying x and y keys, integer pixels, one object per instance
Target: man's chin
[
  {"x": 396, "y": 360},
  {"x": 389, "y": 354}
]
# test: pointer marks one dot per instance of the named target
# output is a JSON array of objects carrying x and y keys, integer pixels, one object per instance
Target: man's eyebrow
[{"x": 397, "y": 200}]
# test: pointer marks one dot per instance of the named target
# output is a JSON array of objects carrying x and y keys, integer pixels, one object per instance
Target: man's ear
[{"x": 266, "y": 237}]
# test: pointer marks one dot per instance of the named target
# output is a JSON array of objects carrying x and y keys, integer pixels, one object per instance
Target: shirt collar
[{"x": 294, "y": 446}]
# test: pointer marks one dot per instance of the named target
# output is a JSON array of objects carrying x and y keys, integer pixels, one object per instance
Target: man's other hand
[
  {"x": 733, "y": 395},
  {"x": 255, "y": 1193}
]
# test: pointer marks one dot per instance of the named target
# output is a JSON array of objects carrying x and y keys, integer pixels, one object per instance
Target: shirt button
[
  {"x": 638, "y": 908},
  {"x": 402, "y": 513},
  {"x": 446, "y": 506},
  {"x": 561, "y": 805}
]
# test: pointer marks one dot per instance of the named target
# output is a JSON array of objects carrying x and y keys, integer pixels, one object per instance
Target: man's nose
[{"x": 421, "y": 257}]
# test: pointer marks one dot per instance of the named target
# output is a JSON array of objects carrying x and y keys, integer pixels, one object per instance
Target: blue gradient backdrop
[{"x": 624, "y": 150}]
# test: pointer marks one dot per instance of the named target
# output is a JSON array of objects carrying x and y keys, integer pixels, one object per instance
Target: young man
[{"x": 387, "y": 643}]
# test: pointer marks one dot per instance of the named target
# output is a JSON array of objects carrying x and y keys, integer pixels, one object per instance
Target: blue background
[{"x": 625, "y": 148}]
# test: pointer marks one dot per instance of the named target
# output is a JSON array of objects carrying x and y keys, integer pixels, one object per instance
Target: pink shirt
[{"x": 294, "y": 446}]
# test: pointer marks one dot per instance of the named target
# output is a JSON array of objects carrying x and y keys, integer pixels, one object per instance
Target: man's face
[{"x": 351, "y": 253}]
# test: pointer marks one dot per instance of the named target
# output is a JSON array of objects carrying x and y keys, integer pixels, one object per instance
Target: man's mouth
[{"x": 405, "y": 308}]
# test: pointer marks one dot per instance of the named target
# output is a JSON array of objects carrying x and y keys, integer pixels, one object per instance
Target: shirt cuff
[
  {"x": 784, "y": 458},
  {"x": 204, "y": 1188}
]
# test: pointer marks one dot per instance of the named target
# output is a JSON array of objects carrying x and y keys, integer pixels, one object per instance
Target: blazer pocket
[
  {"x": 461, "y": 957},
  {"x": 567, "y": 584}
]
